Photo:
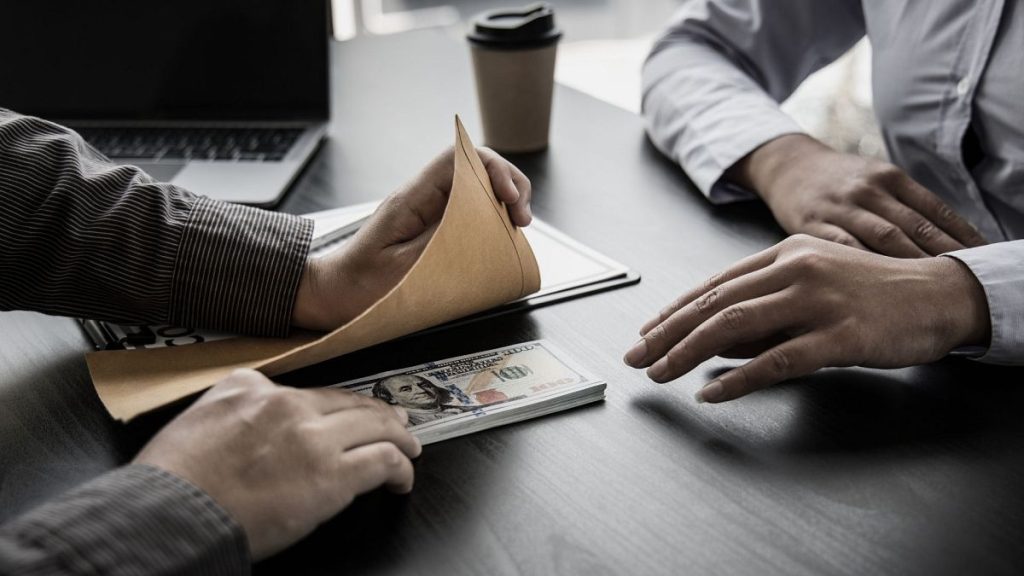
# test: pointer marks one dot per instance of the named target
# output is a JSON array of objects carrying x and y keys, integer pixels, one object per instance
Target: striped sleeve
[
  {"x": 134, "y": 520},
  {"x": 84, "y": 237}
]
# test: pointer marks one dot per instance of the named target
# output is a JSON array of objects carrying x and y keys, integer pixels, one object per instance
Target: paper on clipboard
[{"x": 475, "y": 240}]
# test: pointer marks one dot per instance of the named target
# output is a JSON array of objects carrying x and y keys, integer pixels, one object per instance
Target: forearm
[
  {"x": 135, "y": 520},
  {"x": 705, "y": 113},
  {"x": 83, "y": 237},
  {"x": 714, "y": 80}
]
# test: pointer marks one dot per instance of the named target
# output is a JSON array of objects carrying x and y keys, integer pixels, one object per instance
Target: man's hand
[
  {"x": 338, "y": 287},
  {"x": 815, "y": 190},
  {"x": 282, "y": 460},
  {"x": 807, "y": 304}
]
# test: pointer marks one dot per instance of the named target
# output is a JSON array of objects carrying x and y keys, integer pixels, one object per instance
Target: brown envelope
[{"x": 477, "y": 259}]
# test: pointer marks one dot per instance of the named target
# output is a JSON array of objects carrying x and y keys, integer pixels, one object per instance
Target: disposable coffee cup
[{"x": 514, "y": 63}]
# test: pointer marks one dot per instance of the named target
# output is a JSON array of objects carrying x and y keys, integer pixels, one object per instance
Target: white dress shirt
[{"x": 948, "y": 83}]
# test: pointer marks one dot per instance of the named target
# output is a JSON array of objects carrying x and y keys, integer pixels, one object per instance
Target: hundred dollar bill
[{"x": 462, "y": 395}]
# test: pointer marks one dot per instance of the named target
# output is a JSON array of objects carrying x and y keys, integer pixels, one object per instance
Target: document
[{"x": 476, "y": 260}]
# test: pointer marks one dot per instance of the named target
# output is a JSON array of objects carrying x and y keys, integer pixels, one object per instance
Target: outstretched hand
[
  {"x": 805, "y": 304},
  {"x": 338, "y": 287}
]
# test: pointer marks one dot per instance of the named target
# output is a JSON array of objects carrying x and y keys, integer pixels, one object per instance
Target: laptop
[{"x": 226, "y": 98}]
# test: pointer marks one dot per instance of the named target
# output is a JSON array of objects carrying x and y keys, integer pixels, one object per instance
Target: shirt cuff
[
  {"x": 1000, "y": 270},
  {"x": 135, "y": 520},
  {"x": 238, "y": 269},
  {"x": 725, "y": 192}
]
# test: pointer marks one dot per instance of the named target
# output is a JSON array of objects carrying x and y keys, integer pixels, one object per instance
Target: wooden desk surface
[{"x": 915, "y": 471}]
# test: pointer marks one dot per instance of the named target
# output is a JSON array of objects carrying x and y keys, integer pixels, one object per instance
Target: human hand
[
  {"x": 806, "y": 304},
  {"x": 844, "y": 198},
  {"x": 338, "y": 287},
  {"x": 282, "y": 460}
]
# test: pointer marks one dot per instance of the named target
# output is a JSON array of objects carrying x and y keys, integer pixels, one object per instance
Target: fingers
[
  {"x": 510, "y": 185},
  {"x": 372, "y": 465},
  {"x": 878, "y": 234},
  {"x": 908, "y": 191},
  {"x": 748, "y": 350},
  {"x": 744, "y": 322},
  {"x": 365, "y": 425},
  {"x": 833, "y": 233},
  {"x": 922, "y": 231},
  {"x": 671, "y": 333},
  {"x": 425, "y": 203},
  {"x": 791, "y": 359},
  {"x": 521, "y": 211},
  {"x": 744, "y": 266},
  {"x": 330, "y": 400}
]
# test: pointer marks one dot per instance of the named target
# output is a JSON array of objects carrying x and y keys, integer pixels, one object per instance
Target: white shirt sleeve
[
  {"x": 713, "y": 82},
  {"x": 999, "y": 268}
]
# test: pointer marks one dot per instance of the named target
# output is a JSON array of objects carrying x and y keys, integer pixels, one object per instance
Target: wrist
[
  {"x": 307, "y": 311},
  {"x": 764, "y": 170},
  {"x": 964, "y": 299}
]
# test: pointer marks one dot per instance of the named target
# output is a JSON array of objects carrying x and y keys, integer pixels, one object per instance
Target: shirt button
[{"x": 963, "y": 87}]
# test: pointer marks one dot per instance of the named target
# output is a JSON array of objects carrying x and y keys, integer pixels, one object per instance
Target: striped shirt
[
  {"x": 84, "y": 237},
  {"x": 80, "y": 236}
]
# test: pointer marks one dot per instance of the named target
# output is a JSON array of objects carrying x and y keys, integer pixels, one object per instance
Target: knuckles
[
  {"x": 780, "y": 362},
  {"x": 713, "y": 282},
  {"x": 862, "y": 191},
  {"x": 734, "y": 317},
  {"x": 706, "y": 303},
  {"x": 885, "y": 233},
  {"x": 806, "y": 262},
  {"x": 946, "y": 214},
  {"x": 924, "y": 230},
  {"x": 883, "y": 174}
]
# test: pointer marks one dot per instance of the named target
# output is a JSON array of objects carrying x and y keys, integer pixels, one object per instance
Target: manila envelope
[{"x": 476, "y": 259}]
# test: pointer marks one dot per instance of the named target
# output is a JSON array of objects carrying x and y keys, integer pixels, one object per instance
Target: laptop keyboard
[{"x": 152, "y": 144}]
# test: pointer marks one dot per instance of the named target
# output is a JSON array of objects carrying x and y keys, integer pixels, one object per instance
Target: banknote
[{"x": 466, "y": 394}]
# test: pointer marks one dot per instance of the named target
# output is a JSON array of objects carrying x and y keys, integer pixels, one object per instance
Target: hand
[
  {"x": 282, "y": 460},
  {"x": 338, "y": 287},
  {"x": 866, "y": 204},
  {"x": 806, "y": 304}
]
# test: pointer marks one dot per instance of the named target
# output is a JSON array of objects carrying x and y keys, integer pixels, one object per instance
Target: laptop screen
[{"x": 165, "y": 59}]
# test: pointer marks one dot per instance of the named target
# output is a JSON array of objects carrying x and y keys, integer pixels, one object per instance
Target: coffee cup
[{"x": 514, "y": 63}]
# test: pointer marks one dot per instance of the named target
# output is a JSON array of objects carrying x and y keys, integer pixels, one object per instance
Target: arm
[
  {"x": 245, "y": 471},
  {"x": 999, "y": 269},
  {"x": 713, "y": 81},
  {"x": 711, "y": 90},
  {"x": 171, "y": 527},
  {"x": 83, "y": 237}
]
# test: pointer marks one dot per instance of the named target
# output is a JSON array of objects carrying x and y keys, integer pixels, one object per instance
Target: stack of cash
[{"x": 467, "y": 394}]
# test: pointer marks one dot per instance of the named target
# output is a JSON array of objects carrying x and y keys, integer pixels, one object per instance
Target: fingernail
[
  {"x": 647, "y": 327},
  {"x": 637, "y": 353},
  {"x": 658, "y": 371},
  {"x": 419, "y": 445},
  {"x": 711, "y": 393}
]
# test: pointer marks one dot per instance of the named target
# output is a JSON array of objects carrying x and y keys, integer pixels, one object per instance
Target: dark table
[{"x": 915, "y": 471}]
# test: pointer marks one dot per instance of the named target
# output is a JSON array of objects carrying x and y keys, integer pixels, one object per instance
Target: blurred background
[{"x": 604, "y": 47}]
